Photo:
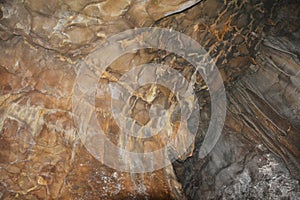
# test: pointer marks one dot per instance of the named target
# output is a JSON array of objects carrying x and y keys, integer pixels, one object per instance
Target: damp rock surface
[{"x": 256, "y": 47}]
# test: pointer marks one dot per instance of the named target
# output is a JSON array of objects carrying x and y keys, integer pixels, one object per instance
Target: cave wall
[{"x": 255, "y": 45}]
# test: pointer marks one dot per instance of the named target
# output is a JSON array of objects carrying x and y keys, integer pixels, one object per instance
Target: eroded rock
[{"x": 255, "y": 45}]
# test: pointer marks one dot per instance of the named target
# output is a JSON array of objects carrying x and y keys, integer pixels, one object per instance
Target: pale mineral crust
[{"x": 255, "y": 45}]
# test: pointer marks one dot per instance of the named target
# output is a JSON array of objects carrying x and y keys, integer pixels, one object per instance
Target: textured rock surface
[{"x": 256, "y": 45}]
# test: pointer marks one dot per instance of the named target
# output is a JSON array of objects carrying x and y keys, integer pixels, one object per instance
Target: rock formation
[{"x": 255, "y": 45}]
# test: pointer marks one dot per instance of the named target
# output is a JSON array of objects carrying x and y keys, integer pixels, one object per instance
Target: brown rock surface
[{"x": 256, "y": 46}]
